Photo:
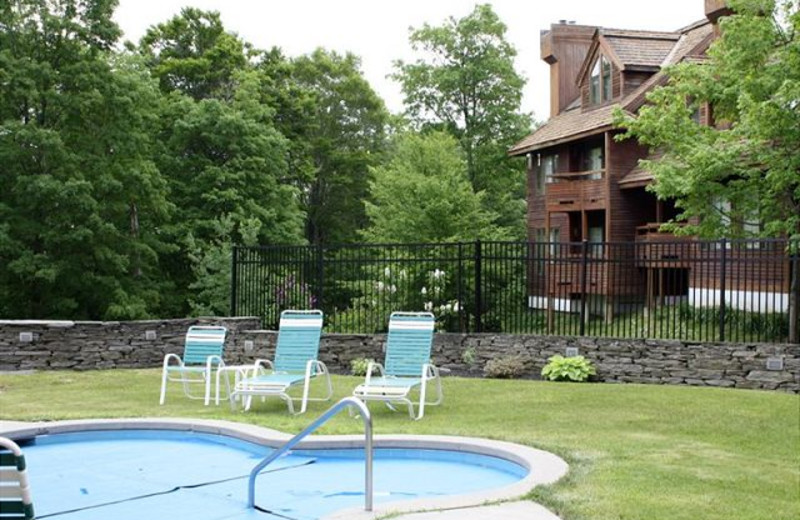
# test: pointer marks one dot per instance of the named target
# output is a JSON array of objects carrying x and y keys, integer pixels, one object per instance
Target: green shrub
[
  {"x": 469, "y": 357},
  {"x": 574, "y": 368},
  {"x": 358, "y": 366},
  {"x": 507, "y": 367}
]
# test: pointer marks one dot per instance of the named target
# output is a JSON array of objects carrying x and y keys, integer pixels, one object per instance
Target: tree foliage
[
  {"x": 221, "y": 153},
  {"x": 194, "y": 54},
  {"x": 422, "y": 194},
  {"x": 743, "y": 172},
  {"x": 466, "y": 84},
  {"x": 82, "y": 201},
  {"x": 344, "y": 139},
  {"x": 130, "y": 174}
]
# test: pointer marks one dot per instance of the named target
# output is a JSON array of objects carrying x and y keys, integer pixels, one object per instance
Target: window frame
[
  {"x": 601, "y": 84},
  {"x": 606, "y": 83}
]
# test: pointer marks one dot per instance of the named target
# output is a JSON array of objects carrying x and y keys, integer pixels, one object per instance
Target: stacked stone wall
[{"x": 40, "y": 345}]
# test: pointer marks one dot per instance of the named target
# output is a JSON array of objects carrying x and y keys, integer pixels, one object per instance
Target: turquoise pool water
[{"x": 162, "y": 474}]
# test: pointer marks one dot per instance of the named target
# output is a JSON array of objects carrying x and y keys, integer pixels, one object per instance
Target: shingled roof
[
  {"x": 640, "y": 48},
  {"x": 574, "y": 123}
]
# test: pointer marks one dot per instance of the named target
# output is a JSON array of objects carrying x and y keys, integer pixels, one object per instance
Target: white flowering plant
[{"x": 397, "y": 287}]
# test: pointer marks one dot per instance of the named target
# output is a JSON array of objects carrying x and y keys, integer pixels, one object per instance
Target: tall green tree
[
  {"x": 740, "y": 176},
  {"x": 225, "y": 164},
  {"x": 194, "y": 54},
  {"x": 465, "y": 83},
  {"x": 295, "y": 107},
  {"x": 221, "y": 153},
  {"x": 422, "y": 194},
  {"x": 345, "y": 137},
  {"x": 82, "y": 204}
]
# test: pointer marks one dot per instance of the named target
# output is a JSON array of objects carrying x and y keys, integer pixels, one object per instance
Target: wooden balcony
[
  {"x": 655, "y": 248},
  {"x": 576, "y": 191},
  {"x": 565, "y": 276}
]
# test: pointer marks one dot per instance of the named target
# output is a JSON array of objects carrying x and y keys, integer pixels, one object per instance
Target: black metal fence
[{"x": 727, "y": 290}]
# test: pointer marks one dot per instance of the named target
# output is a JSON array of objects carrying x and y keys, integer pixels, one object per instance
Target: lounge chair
[
  {"x": 295, "y": 364},
  {"x": 202, "y": 355},
  {"x": 408, "y": 366},
  {"x": 15, "y": 492}
]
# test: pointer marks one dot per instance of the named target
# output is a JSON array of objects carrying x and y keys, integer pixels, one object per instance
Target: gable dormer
[
  {"x": 598, "y": 79},
  {"x": 618, "y": 61}
]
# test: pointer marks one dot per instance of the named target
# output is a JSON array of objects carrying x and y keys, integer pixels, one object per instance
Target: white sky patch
[{"x": 377, "y": 30}]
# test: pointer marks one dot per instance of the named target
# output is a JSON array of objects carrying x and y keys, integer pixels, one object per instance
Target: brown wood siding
[
  {"x": 633, "y": 80},
  {"x": 616, "y": 82},
  {"x": 564, "y": 47},
  {"x": 754, "y": 270},
  {"x": 572, "y": 52},
  {"x": 536, "y": 201},
  {"x": 626, "y": 211},
  {"x": 576, "y": 195}
]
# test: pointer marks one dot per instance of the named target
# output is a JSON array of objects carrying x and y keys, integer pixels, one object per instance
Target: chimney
[
  {"x": 715, "y": 9},
  {"x": 564, "y": 47}
]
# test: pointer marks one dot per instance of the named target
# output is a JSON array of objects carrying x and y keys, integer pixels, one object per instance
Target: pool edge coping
[{"x": 543, "y": 467}]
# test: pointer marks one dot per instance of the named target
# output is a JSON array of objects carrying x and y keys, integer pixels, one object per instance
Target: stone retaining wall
[{"x": 92, "y": 345}]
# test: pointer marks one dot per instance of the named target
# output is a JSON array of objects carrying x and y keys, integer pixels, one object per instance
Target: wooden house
[{"x": 583, "y": 185}]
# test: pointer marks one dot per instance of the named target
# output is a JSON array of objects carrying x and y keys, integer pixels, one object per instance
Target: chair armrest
[
  {"x": 264, "y": 364},
  {"x": 430, "y": 371},
  {"x": 321, "y": 367},
  {"x": 370, "y": 368},
  {"x": 168, "y": 357},
  {"x": 210, "y": 360}
]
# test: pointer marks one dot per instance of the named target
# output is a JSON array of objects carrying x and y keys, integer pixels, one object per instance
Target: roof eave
[{"x": 512, "y": 152}]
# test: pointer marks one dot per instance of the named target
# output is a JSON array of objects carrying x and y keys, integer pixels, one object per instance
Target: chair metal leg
[
  {"x": 163, "y": 387},
  {"x": 422, "y": 391}
]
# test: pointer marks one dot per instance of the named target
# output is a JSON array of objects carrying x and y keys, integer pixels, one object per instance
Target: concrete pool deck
[
  {"x": 543, "y": 467},
  {"x": 524, "y": 510}
]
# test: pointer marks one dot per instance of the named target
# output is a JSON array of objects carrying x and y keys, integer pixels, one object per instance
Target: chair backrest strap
[
  {"x": 203, "y": 341},
  {"x": 408, "y": 344},
  {"x": 15, "y": 492},
  {"x": 298, "y": 340}
]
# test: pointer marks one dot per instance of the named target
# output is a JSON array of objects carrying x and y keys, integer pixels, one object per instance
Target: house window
[
  {"x": 541, "y": 249},
  {"x": 596, "y": 238},
  {"x": 594, "y": 161},
  {"x": 594, "y": 84},
  {"x": 695, "y": 115},
  {"x": 545, "y": 170},
  {"x": 600, "y": 81},
  {"x": 606, "y": 78},
  {"x": 555, "y": 239}
]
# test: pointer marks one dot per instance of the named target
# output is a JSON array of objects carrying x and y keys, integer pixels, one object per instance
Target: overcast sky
[{"x": 377, "y": 30}]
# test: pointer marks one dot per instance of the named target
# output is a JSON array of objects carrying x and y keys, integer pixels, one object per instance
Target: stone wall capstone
[{"x": 50, "y": 345}]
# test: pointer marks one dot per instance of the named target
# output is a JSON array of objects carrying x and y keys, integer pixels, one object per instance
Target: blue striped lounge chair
[
  {"x": 202, "y": 356},
  {"x": 407, "y": 365},
  {"x": 15, "y": 492},
  {"x": 295, "y": 364}
]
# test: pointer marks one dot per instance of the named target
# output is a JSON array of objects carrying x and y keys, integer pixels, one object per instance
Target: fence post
[
  {"x": 461, "y": 326},
  {"x": 723, "y": 268},
  {"x": 794, "y": 294},
  {"x": 478, "y": 283},
  {"x": 584, "y": 274},
  {"x": 234, "y": 279},
  {"x": 320, "y": 275}
]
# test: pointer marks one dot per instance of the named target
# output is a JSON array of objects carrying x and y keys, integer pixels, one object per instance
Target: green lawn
[{"x": 636, "y": 451}]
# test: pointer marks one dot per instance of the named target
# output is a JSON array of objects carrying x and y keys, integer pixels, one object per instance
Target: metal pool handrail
[{"x": 322, "y": 419}]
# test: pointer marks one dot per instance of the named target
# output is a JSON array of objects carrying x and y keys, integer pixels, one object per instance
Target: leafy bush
[
  {"x": 573, "y": 368},
  {"x": 358, "y": 366},
  {"x": 469, "y": 356},
  {"x": 507, "y": 367}
]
